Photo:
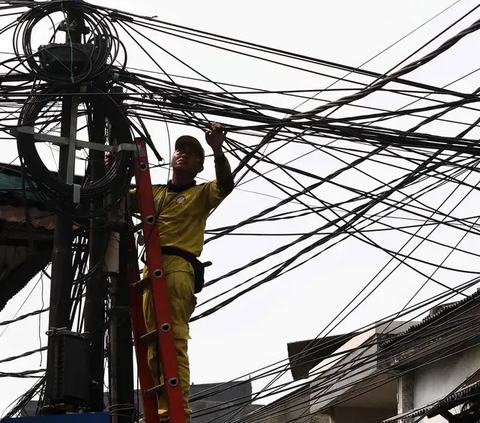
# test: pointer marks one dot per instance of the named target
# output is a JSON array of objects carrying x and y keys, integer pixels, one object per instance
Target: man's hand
[{"x": 215, "y": 138}]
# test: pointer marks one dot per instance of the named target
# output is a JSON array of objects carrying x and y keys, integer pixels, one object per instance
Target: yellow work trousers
[{"x": 180, "y": 286}]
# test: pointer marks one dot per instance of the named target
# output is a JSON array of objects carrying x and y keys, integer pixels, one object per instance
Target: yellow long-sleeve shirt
[{"x": 182, "y": 216}]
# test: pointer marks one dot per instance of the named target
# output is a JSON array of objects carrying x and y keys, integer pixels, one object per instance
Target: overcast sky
[{"x": 254, "y": 331}]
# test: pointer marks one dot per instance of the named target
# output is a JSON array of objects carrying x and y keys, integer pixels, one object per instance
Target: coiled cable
[
  {"x": 103, "y": 40},
  {"x": 117, "y": 178}
]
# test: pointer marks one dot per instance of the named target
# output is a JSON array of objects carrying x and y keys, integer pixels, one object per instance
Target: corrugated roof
[
  {"x": 431, "y": 318},
  {"x": 10, "y": 182},
  {"x": 455, "y": 399},
  {"x": 433, "y": 408},
  {"x": 417, "y": 412},
  {"x": 11, "y": 186}
]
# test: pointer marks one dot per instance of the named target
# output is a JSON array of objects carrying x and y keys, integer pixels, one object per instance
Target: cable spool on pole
[
  {"x": 70, "y": 197},
  {"x": 77, "y": 70}
]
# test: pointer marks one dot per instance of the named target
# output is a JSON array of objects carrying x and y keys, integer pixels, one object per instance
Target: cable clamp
[{"x": 125, "y": 146}]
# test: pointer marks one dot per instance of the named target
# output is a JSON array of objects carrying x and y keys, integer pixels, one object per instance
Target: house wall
[
  {"x": 435, "y": 381},
  {"x": 344, "y": 372},
  {"x": 294, "y": 408},
  {"x": 360, "y": 415},
  {"x": 288, "y": 409}
]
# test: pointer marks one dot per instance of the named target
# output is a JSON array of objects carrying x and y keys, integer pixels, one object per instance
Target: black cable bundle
[
  {"x": 116, "y": 179},
  {"x": 91, "y": 60}
]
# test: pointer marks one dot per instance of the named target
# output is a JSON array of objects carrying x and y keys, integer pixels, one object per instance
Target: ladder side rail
[
  {"x": 158, "y": 285},
  {"x": 150, "y": 405}
]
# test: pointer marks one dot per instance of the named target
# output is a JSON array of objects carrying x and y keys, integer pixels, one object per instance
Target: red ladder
[{"x": 157, "y": 283}]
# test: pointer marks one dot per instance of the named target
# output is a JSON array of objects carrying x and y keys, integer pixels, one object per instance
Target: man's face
[{"x": 187, "y": 160}]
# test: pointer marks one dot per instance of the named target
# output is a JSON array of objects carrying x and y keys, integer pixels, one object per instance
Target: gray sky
[{"x": 254, "y": 330}]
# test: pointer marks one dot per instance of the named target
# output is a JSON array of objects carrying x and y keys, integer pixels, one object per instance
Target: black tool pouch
[
  {"x": 199, "y": 270},
  {"x": 198, "y": 266}
]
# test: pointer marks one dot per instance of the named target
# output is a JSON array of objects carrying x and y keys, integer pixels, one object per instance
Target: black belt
[{"x": 198, "y": 266}]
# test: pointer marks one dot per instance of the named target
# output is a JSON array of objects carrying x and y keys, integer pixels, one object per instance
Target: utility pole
[
  {"x": 120, "y": 328},
  {"x": 96, "y": 289},
  {"x": 62, "y": 270},
  {"x": 122, "y": 405},
  {"x": 75, "y": 363}
]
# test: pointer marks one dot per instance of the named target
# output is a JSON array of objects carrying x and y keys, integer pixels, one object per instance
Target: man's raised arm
[{"x": 223, "y": 172}]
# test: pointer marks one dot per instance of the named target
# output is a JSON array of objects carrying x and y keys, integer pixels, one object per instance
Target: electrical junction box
[
  {"x": 67, "y": 59},
  {"x": 71, "y": 373}
]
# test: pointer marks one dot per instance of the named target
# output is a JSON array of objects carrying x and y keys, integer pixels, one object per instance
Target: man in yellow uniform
[{"x": 183, "y": 208}]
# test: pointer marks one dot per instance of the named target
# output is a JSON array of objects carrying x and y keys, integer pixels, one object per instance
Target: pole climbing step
[{"x": 157, "y": 282}]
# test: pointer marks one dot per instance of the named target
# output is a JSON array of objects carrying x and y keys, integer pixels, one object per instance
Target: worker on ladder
[{"x": 183, "y": 207}]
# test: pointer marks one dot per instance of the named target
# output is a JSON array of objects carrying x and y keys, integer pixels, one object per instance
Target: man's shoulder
[
  {"x": 199, "y": 187},
  {"x": 199, "y": 191},
  {"x": 206, "y": 186},
  {"x": 214, "y": 187}
]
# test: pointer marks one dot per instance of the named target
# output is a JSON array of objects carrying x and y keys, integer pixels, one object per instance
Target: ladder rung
[
  {"x": 154, "y": 390},
  {"x": 142, "y": 283},
  {"x": 148, "y": 337}
]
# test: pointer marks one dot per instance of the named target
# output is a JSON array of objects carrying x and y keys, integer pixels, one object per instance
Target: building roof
[
  {"x": 11, "y": 187},
  {"x": 19, "y": 262},
  {"x": 436, "y": 407},
  {"x": 417, "y": 412},
  {"x": 463, "y": 395},
  {"x": 305, "y": 355},
  {"x": 444, "y": 333},
  {"x": 20, "y": 269},
  {"x": 23, "y": 251},
  {"x": 437, "y": 314}
]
